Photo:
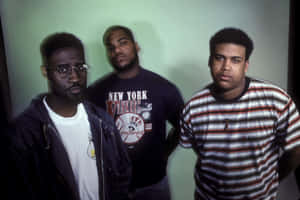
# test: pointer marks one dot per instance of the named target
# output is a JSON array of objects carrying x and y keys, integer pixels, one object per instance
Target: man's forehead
[
  {"x": 230, "y": 47},
  {"x": 66, "y": 53},
  {"x": 117, "y": 34}
]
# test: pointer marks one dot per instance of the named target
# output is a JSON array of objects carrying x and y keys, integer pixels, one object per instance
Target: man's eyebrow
[
  {"x": 218, "y": 54},
  {"x": 123, "y": 38},
  {"x": 240, "y": 57},
  {"x": 108, "y": 43}
]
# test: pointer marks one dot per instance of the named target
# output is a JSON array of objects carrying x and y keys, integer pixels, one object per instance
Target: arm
[
  {"x": 172, "y": 141},
  {"x": 174, "y": 104},
  {"x": 288, "y": 135},
  {"x": 288, "y": 162},
  {"x": 297, "y": 176}
]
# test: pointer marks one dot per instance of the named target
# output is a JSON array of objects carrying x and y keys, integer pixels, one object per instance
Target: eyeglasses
[{"x": 66, "y": 69}]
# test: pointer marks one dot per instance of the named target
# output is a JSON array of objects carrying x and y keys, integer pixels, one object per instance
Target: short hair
[
  {"x": 231, "y": 35},
  {"x": 57, "y": 41},
  {"x": 113, "y": 28}
]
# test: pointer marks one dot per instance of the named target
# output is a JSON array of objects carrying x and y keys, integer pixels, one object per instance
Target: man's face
[
  {"x": 69, "y": 86},
  {"x": 228, "y": 68},
  {"x": 121, "y": 51}
]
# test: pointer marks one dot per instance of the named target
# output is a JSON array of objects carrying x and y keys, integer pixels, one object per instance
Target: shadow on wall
[
  {"x": 190, "y": 77},
  {"x": 151, "y": 49},
  {"x": 96, "y": 55}
]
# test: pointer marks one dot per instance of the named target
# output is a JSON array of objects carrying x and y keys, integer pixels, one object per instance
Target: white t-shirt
[{"x": 75, "y": 133}]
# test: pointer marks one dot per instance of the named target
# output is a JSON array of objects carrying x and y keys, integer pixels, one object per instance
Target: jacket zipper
[
  {"x": 47, "y": 141},
  {"x": 47, "y": 147},
  {"x": 102, "y": 165}
]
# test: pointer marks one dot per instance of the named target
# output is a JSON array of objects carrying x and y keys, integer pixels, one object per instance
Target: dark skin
[
  {"x": 65, "y": 92},
  {"x": 122, "y": 53},
  {"x": 62, "y": 106},
  {"x": 288, "y": 162},
  {"x": 228, "y": 67},
  {"x": 172, "y": 141}
]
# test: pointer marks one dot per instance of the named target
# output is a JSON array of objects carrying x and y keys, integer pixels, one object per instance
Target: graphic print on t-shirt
[
  {"x": 91, "y": 148},
  {"x": 132, "y": 114}
]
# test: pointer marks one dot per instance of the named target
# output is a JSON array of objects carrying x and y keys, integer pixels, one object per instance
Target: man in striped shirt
[{"x": 245, "y": 132}]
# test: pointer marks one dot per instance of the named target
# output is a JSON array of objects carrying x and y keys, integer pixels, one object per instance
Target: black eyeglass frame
[{"x": 66, "y": 69}]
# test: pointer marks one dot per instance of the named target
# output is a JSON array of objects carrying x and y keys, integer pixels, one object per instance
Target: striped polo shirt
[{"x": 239, "y": 142}]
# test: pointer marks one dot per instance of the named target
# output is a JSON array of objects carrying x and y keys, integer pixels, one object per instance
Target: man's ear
[
  {"x": 246, "y": 65},
  {"x": 44, "y": 71},
  {"x": 137, "y": 47},
  {"x": 210, "y": 61}
]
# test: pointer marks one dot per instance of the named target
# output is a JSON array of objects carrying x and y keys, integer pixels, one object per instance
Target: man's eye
[
  {"x": 236, "y": 60},
  {"x": 218, "y": 57},
  {"x": 64, "y": 68},
  {"x": 123, "y": 42}
]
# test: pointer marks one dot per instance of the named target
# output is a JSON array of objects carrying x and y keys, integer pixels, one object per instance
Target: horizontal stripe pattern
[{"x": 238, "y": 143}]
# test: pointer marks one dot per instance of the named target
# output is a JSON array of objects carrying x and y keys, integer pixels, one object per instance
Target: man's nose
[
  {"x": 226, "y": 64},
  {"x": 117, "y": 49},
  {"x": 74, "y": 74}
]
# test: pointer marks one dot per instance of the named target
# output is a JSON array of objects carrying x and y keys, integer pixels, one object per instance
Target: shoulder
[
  {"x": 25, "y": 130},
  {"x": 162, "y": 85},
  {"x": 203, "y": 95},
  {"x": 101, "y": 82},
  {"x": 266, "y": 93},
  {"x": 94, "y": 92},
  {"x": 156, "y": 78},
  {"x": 263, "y": 84},
  {"x": 98, "y": 112},
  {"x": 34, "y": 114},
  {"x": 266, "y": 88}
]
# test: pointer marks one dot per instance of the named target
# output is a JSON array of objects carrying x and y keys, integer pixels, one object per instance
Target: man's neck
[
  {"x": 62, "y": 107},
  {"x": 130, "y": 73},
  {"x": 231, "y": 94}
]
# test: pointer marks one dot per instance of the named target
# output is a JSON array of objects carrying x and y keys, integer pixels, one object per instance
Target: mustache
[
  {"x": 119, "y": 55},
  {"x": 76, "y": 85}
]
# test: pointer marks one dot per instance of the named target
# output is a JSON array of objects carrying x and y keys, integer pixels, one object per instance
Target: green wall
[{"x": 173, "y": 36}]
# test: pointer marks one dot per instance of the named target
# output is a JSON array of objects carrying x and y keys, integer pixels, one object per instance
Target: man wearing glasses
[{"x": 63, "y": 147}]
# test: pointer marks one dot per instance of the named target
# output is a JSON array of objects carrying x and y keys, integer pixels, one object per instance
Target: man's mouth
[
  {"x": 224, "y": 77},
  {"x": 75, "y": 89},
  {"x": 119, "y": 57}
]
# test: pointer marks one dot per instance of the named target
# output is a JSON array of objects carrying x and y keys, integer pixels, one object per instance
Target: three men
[{"x": 244, "y": 131}]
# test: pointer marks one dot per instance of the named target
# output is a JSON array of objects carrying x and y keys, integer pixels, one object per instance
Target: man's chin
[
  {"x": 76, "y": 98},
  {"x": 123, "y": 67},
  {"x": 120, "y": 68}
]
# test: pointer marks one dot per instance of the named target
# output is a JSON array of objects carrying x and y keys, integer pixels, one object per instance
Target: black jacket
[{"x": 40, "y": 167}]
